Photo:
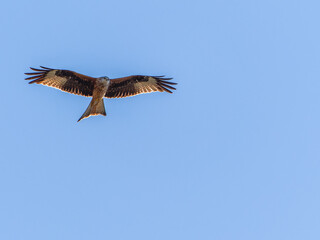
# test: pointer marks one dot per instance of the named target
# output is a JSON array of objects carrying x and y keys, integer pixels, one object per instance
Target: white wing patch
[
  {"x": 54, "y": 81},
  {"x": 146, "y": 87}
]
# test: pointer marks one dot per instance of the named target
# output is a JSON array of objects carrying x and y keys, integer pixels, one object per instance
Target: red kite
[{"x": 98, "y": 88}]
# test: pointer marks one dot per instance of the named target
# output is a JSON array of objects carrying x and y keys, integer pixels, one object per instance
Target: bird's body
[
  {"x": 98, "y": 88},
  {"x": 96, "y": 105}
]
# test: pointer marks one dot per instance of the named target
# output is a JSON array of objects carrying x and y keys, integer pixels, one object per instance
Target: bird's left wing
[
  {"x": 65, "y": 80},
  {"x": 137, "y": 84}
]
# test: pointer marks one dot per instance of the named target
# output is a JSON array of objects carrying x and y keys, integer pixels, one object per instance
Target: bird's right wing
[{"x": 65, "y": 80}]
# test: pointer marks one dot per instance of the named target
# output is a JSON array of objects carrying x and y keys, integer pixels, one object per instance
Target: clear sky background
[{"x": 234, "y": 153}]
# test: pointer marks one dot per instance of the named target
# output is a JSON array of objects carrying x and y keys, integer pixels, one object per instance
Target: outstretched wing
[
  {"x": 133, "y": 85},
  {"x": 65, "y": 80}
]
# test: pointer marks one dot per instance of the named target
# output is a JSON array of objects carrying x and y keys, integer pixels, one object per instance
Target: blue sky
[{"x": 234, "y": 153}]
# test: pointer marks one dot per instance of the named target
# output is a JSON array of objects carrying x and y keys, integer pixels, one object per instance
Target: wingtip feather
[{"x": 46, "y": 68}]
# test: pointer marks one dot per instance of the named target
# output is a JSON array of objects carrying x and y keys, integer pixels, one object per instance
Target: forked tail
[{"x": 95, "y": 107}]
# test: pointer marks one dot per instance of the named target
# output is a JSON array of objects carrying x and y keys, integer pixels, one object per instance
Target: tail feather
[{"x": 94, "y": 108}]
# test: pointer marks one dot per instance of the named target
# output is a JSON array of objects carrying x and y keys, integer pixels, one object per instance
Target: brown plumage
[{"x": 98, "y": 88}]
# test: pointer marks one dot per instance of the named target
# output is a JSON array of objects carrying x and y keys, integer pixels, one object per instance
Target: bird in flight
[{"x": 99, "y": 88}]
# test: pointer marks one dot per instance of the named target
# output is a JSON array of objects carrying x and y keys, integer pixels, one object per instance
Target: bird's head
[{"x": 104, "y": 78}]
